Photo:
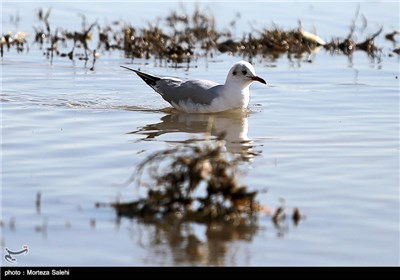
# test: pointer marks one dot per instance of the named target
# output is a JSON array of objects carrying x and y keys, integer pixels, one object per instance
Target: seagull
[{"x": 203, "y": 96}]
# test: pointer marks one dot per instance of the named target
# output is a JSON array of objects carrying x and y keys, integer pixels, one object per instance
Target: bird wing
[{"x": 176, "y": 90}]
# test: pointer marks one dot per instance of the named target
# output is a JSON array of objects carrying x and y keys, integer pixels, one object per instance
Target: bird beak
[{"x": 259, "y": 79}]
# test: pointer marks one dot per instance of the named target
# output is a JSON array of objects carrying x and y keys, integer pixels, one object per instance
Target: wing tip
[
  {"x": 122, "y": 66},
  {"x": 149, "y": 79}
]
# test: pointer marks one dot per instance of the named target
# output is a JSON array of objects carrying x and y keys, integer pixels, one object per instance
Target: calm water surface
[{"x": 324, "y": 136}]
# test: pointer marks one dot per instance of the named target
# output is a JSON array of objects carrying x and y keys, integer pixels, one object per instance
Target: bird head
[{"x": 243, "y": 73}]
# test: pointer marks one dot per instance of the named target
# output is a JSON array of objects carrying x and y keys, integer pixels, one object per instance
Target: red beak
[{"x": 258, "y": 79}]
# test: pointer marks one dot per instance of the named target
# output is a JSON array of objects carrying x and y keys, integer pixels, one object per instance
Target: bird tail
[{"x": 149, "y": 79}]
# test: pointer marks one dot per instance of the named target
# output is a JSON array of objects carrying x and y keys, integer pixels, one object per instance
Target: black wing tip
[
  {"x": 149, "y": 79},
  {"x": 129, "y": 68}
]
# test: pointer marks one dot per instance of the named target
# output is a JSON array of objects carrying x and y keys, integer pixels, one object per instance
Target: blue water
[{"x": 323, "y": 136}]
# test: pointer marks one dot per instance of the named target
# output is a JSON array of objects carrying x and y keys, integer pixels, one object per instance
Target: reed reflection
[{"x": 193, "y": 244}]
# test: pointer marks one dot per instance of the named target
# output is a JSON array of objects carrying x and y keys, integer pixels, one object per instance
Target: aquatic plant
[{"x": 183, "y": 38}]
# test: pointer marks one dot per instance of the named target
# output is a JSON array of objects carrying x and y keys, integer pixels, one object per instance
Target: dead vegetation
[{"x": 182, "y": 38}]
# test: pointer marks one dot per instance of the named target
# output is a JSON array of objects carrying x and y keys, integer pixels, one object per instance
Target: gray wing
[{"x": 176, "y": 90}]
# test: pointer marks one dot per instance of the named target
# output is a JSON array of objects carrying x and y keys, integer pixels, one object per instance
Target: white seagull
[{"x": 203, "y": 96}]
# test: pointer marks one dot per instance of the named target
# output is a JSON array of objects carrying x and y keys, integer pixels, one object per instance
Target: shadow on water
[{"x": 232, "y": 126}]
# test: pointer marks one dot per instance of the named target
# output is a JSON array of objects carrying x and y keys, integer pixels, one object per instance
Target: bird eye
[
  {"x": 234, "y": 73},
  {"x": 244, "y": 72}
]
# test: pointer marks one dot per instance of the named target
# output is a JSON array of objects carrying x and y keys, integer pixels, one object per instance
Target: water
[{"x": 324, "y": 136}]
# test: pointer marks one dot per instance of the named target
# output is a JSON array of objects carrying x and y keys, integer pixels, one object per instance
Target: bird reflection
[{"x": 233, "y": 126}]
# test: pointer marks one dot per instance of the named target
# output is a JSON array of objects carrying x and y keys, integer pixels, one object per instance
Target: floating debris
[
  {"x": 390, "y": 36},
  {"x": 279, "y": 215},
  {"x": 296, "y": 217},
  {"x": 38, "y": 202}
]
